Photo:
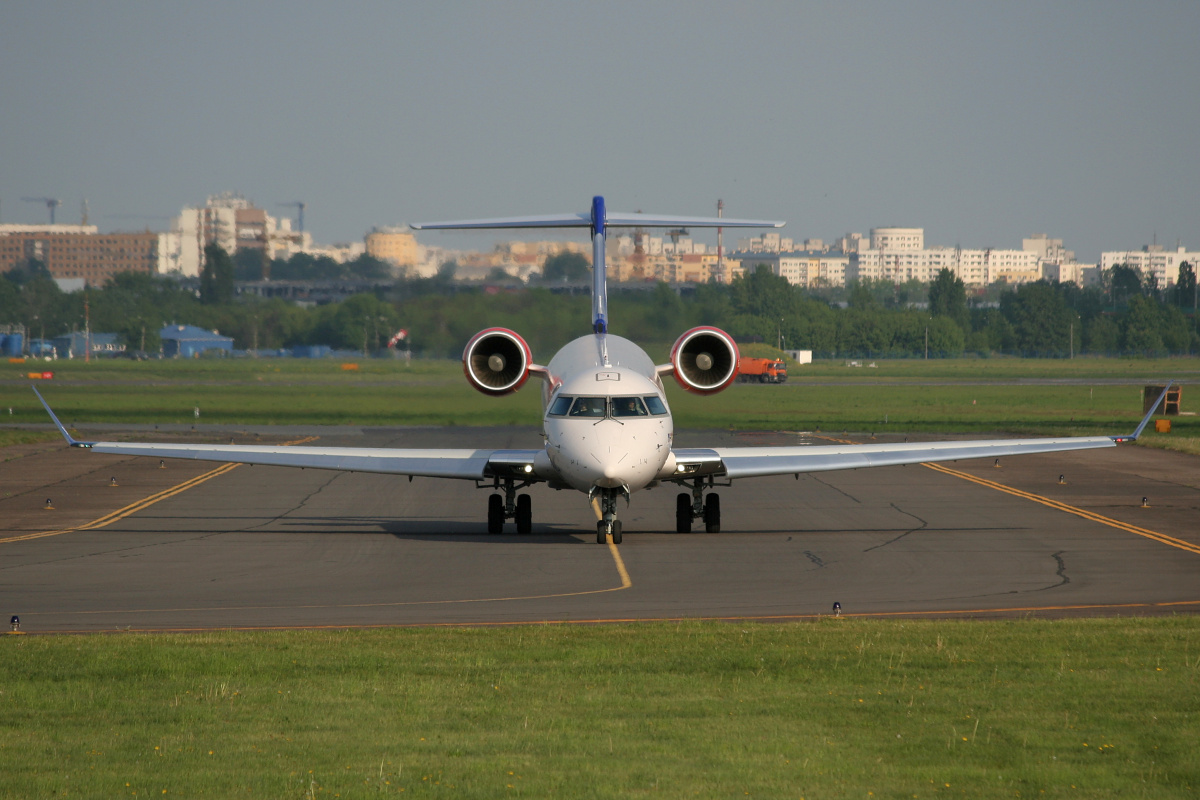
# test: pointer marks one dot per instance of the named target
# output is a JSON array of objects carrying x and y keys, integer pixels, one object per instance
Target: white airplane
[{"x": 607, "y": 425}]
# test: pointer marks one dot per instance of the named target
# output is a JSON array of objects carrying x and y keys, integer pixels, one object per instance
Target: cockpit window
[
  {"x": 559, "y": 407},
  {"x": 656, "y": 405},
  {"x": 601, "y": 407},
  {"x": 588, "y": 407},
  {"x": 628, "y": 407}
]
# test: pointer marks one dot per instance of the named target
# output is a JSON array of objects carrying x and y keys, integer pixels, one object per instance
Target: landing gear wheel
[
  {"x": 616, "y": 531},
  {"x": 712, "y": 513},
  {"x": 601, "y": 534},
  {"x": 683, "y": 513},
  {"x": 524, "y": 514},
  {"x": 495, "y": 514}
]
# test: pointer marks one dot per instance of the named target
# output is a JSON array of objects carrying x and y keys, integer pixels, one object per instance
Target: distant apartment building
[
  {"x": 234, "y": 223},
  {"x": 972, "y": 267},
  {"x": 1153, "y": 260},
  {"x": 810, "y": 269},
  {"x": 900, "y": 254},
  {"x": 397, "y": 246},
  {"x": 79, "y": 252},
  {"x": 897, "y": 239}
]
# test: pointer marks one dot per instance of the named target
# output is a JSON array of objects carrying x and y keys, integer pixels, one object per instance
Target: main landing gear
[
  {"x": 696, "y": 506},
  {"x": 608, "y": 525},
  {"x": 518, "y": 508}
]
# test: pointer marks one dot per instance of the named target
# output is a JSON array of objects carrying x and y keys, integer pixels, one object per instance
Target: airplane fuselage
[{"x": 606, "y": 420}]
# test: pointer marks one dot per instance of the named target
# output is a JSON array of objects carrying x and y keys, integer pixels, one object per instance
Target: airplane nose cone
[{"x": 611, "y": 477}]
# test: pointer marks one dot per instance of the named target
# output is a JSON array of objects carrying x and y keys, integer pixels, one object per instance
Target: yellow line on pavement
[
  {"x": 1079, "y": 512},
  {"x": 616, "y": 554},
  {"x": 145, "y": 502}
]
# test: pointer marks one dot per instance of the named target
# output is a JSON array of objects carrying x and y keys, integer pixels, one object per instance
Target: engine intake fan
[
  {"x": 496, "y": 361},
  {"x": 705, "y": 360}
]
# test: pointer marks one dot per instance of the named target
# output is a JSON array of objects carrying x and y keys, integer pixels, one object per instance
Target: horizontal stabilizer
[
  {"x": 550, "y": 221},
  {"x": 612, "y": 219},
  {"x": 617, "y": 220}
]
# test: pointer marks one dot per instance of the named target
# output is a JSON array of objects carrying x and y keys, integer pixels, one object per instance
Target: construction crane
[
  {"x": 51, "y": 203},
  {"x": 299, "y": 206},
  {"x": 675, "y": 233}
]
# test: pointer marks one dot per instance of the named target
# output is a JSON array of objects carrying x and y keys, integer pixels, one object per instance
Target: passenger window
[
  {"x": 560, "y": 405},
  {"x": 628, "y": 407},
  {"x": 588, "y": 407},
  {"x": 656, "y": 404}
]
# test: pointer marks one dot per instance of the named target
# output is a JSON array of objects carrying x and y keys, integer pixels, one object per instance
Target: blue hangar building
[{"x": 188, "y": 341}]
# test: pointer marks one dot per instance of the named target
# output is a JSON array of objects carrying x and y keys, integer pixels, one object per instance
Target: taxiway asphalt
[{"x": 196, "y": 546}]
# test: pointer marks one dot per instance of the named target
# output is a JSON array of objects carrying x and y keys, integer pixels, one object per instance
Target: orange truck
[{"x": 762, "y": 370}]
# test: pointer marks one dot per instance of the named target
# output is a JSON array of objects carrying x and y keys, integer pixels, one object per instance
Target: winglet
[
  {"x": 61, "y": 429},
  {"x": 1146, "y": 419}
]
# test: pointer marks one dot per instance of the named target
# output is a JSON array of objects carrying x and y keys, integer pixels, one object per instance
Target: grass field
[
  {"x": 952, "y": 396},
  {"x": 838, "y": 708}
]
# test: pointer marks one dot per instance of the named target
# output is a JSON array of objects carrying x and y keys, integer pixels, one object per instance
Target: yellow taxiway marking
[
  {"x": 145, "y": 502},
  {"x": 1162, "y": 538},
  {"x": 616, "y": 554}
]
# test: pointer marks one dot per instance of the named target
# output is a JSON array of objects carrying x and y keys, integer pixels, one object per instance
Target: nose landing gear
[
  {"x": 693, "y": 506},
  {"x": 608, "y": 525}
]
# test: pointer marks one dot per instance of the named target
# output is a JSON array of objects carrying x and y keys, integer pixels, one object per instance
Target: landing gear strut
[
  {"x": 608, "y": 525},
  {"x": 518, "y": 508},
  {"x": 695, "y": 505}
]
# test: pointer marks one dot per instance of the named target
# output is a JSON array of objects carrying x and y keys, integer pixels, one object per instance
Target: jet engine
[
  {"x": 496, "y": 361},
  {"x": 705, "y": 360}
]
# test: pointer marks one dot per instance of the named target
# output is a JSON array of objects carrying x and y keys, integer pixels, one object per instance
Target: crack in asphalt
[
  {"x": 303, "y": 502},
  {"x": 829, "y": 485},
  {"x": 924, "y": 524},
  {"x": 1061, "y": 572}
]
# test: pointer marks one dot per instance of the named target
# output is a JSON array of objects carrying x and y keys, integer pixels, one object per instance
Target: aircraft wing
[
  {"x": 756, "y": 462},
  {"x": 430, "y": 463}
]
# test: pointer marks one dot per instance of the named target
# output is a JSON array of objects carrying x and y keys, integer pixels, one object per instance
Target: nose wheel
[
  {"x": 605, "y": 530},
  {"x": 609, "y": 525}
]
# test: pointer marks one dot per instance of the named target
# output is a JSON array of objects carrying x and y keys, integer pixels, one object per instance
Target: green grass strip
[{"x": 836, "y": 708}]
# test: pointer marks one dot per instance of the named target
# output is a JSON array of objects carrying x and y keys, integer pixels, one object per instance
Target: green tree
[
  {"x": 1124, "y": 283},
  {"x": 216, "y": 276},
  {"x": 1141, "y": 334},
  {"x": 248, "y": 265},
  {"x": 1041, "y": 321},
  {"x": 948, "y": 298},
  {"x": 1102, "y": 335},
  {"x": 566, "y": 268},
  {"x": 367, "y": 268},
  {"x": 1185, "y": 287}
]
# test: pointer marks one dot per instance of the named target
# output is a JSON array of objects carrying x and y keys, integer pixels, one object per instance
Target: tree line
[{"x": 1126, "y": 314}]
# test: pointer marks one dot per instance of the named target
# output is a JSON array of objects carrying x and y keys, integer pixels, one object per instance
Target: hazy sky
[{"x": 981, "y": 122}]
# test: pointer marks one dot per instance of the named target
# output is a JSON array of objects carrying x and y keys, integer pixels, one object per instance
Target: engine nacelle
[
  {"x": 496, "y": 361},
  {"x": 705, "y": 360}
]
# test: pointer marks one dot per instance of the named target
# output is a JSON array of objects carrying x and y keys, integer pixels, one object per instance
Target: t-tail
[{"x": 599, "y": 220}]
